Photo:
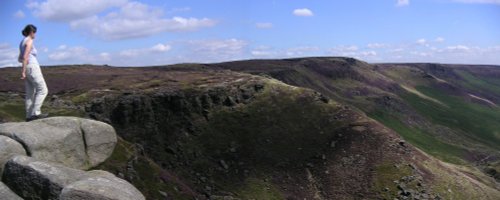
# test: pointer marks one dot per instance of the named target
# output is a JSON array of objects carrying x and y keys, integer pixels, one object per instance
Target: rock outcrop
[
  {"x": 8, "y": 148},
  {"x": 99, "y": 184},
  {"x": 99, "y": 138},
  {"x": 46, "y": 159},
  {"x": 73, "y": 142},
  {"x": 7, "y": 194},
  {"x": 37, "y": 179}
]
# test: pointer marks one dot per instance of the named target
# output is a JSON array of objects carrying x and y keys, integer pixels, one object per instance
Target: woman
[{"x": 36, "y": 89}]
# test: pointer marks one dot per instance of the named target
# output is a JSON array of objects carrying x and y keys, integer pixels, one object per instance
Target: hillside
[{"x": 315, "y": 128}]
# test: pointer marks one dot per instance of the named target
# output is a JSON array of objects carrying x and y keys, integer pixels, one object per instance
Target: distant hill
[{"x": 315, "y": 128}]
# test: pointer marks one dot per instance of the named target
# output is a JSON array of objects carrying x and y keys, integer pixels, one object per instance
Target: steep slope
[
  {"x": 450, "y": 111},
  {"x": 204, "y": 131},
  {"x": 257, "y": 138}
]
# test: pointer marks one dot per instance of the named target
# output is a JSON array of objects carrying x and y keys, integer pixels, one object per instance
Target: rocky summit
[
  {"x": 301, "y": 128},
  {"x": 47, "y": 159}
]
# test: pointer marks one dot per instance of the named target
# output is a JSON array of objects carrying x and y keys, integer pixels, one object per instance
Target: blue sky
[{"x": 154, "y": 32}]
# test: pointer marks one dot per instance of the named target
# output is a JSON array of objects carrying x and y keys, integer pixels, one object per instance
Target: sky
[{"x": 160, "y": 32}]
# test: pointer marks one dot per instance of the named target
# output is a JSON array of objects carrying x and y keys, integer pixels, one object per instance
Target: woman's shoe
[{"x": 35, "y": 117}]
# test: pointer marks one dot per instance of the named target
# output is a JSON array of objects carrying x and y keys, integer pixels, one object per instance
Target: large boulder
[
  {"x": 99, "y": 138},
  {"x": 50, "y": 143},
  {"x": 101, "y": 185},
  {"x": 74, "y": 142},
  {"x": 9, "y": 148},
  {"x": 34, "y": 179},
  {"x": 7, "y": 194}
]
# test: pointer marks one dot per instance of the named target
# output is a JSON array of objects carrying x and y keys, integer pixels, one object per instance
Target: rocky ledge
[{"x": 48, "y": 159}]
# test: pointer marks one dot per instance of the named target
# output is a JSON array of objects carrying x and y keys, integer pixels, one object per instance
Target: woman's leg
[
  {"x": 41, "y": 92},
  {"x": 40, "y": 89},
  {"x": 29, "y": 98}
]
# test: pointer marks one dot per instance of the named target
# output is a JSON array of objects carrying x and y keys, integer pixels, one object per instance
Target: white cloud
[
  {"x": 263, "y": 52},
  {"x": 301, "y": 51},
  {"x": 19, "y": 14},
  {"x": 352, "y": 51},
  {"x": 420, "y": 54},
  {"x": 479, "y": 1},
  {"x": 131, "y": 52},
  {"x": 8, "y": 55},
  {"x": 403, "y": 3},
  {"x": 462, "y": 54},
  {"x": 264, "y": 25},
  {"x": 343, "y": 48},
  {"x": 69, "y": 10},
  {"x": 105, "y": 56},
  {"x": 226, "y": 46},
  {"x": 303, "y": 12},
  {"x": 376, "y": 45},
  {"x": 78, "y": 55},
  {"x": 439, "y": 39},
  {"x": 158, "y": 48},
  {"x": 137, "y": 20},
  {"x": 115, "y": 19},
  {"x": 421, "y": 41},
  {"x": 63, "y": 53},
  {"x": 216, "y": 50},
  {"x": 458, "y": 48},
  {"x": 368, "y": 53},
  {"x": 269, "y": 52}
]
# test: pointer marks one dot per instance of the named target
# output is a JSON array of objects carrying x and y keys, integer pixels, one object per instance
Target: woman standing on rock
[{"x": 36, "y": 89}]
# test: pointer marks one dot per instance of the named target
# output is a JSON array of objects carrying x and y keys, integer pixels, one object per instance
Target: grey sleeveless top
[{"x": 33, "y": 52}]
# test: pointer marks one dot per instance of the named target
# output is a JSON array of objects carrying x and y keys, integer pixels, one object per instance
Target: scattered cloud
[
  {"x": 368, "y": 53},
  {"x": 458, "y": 48},
  {"x": 69, "y": 10},
  {"x": 8, "y": 55},
  {"x": 263, "y": 52},
  {"x": 63, "y": 53},
  {"x": 218, "y": 48},
  {"x": 301, "y": 51},
  {"x": 421, "y": 41},
  {"x": 303, "y": 12},
  {"x": 377, "y": 45},
  {"x": 77, "y": 54},
  {"x": 105, "y": 56},
  {"x": 206, "y": 51},
  {"x": 464, "y": 54},
  {"x": 158, "y": 48},
  {"x": 401, "y": 3},
  {"x": 136, "y": 20},
  {"x": 264, "y": 25},
  {"x": 115, "y": 19},
  {"x": 19, "y": 14},
  {"x": 479, "y": 1},
  {"x": 353, "y": 51},
  {"x": 344, "y": 48},
  {"x": 439, "y": 39}
]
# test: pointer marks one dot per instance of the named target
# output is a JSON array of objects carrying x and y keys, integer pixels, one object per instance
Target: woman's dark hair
[{"x": 28, "y": 29}]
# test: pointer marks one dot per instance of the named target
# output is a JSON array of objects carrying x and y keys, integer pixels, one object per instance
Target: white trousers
[{"x": 36, "y": 90}]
